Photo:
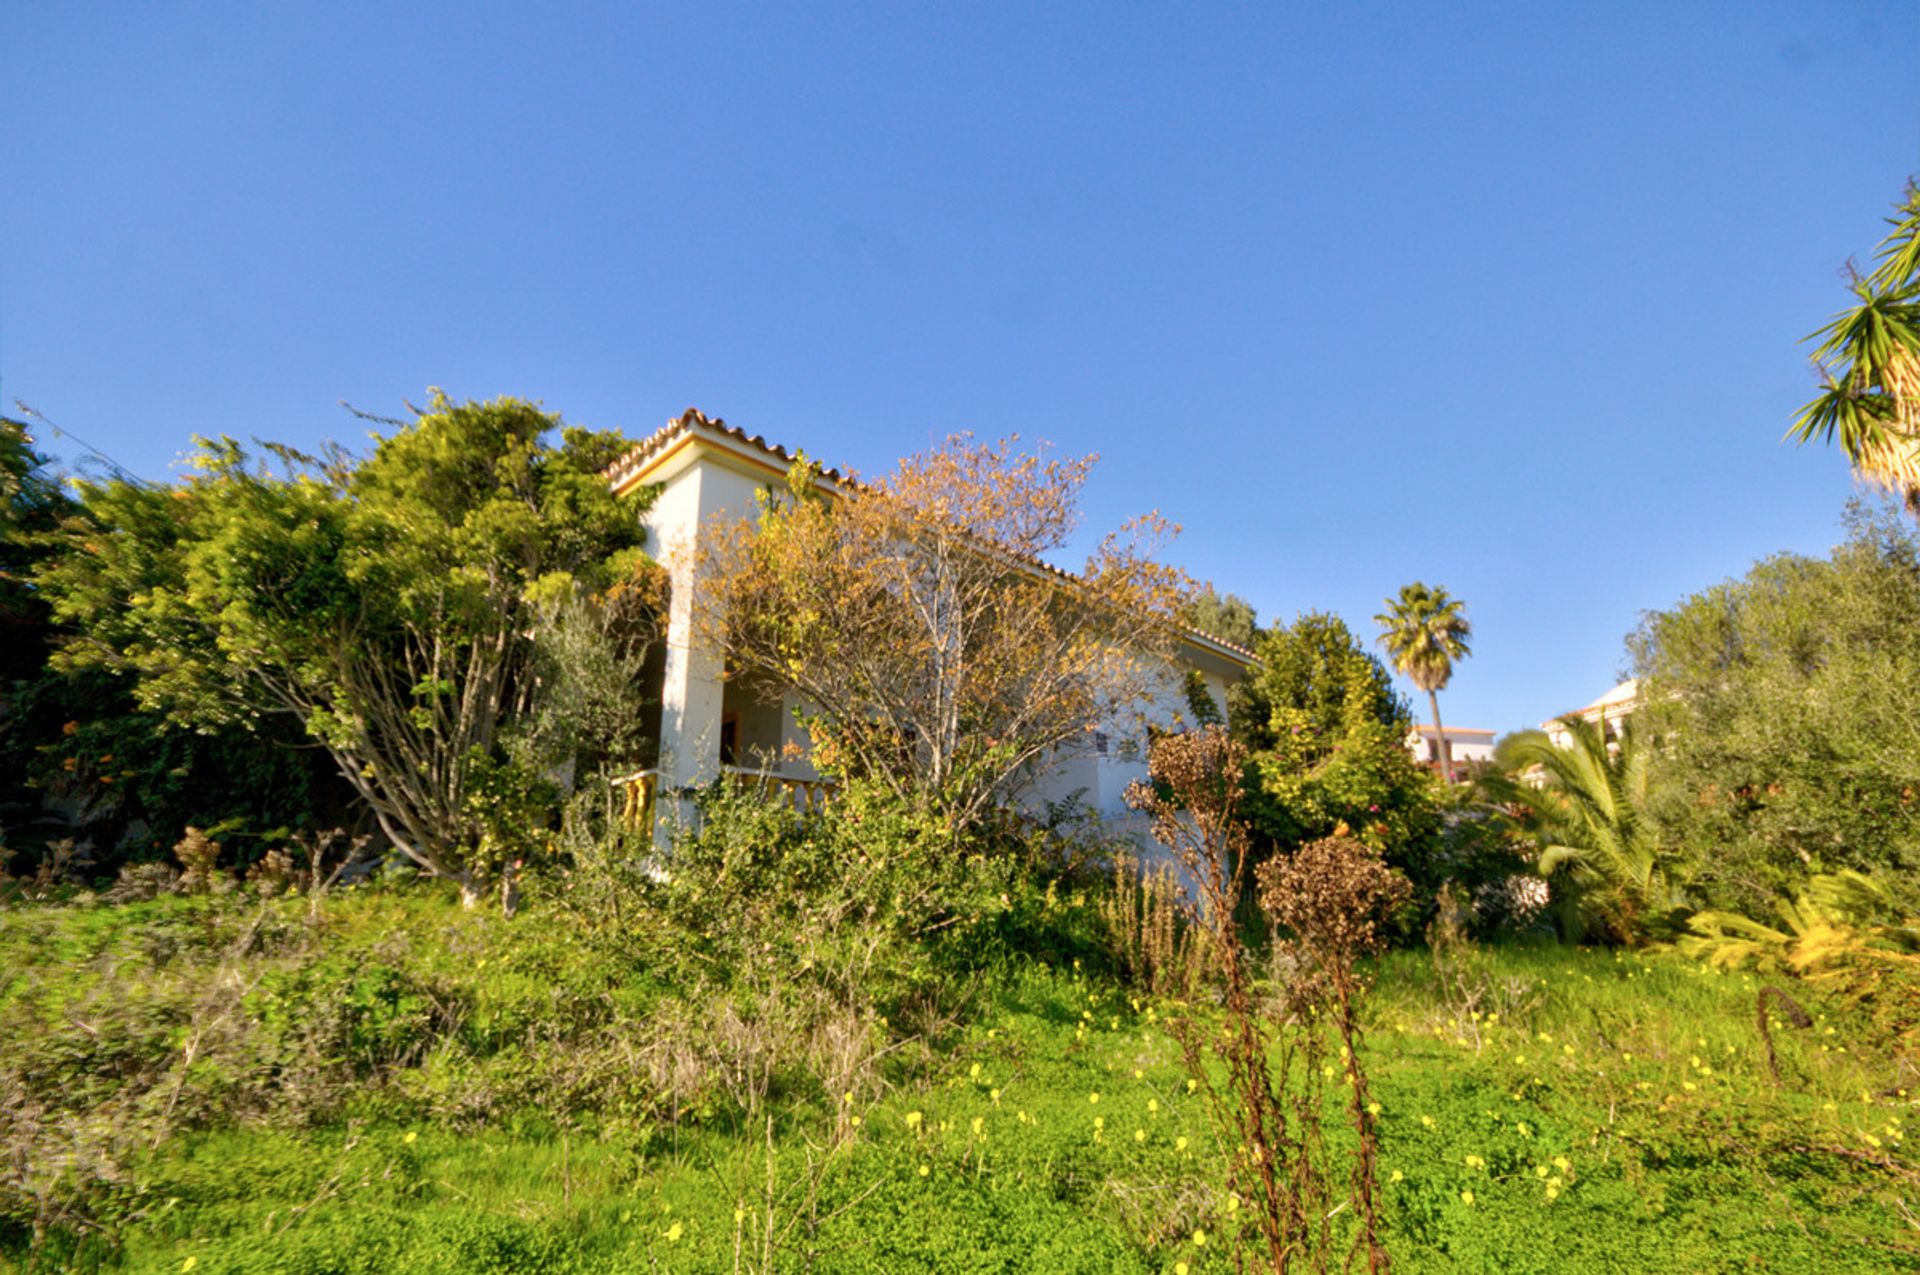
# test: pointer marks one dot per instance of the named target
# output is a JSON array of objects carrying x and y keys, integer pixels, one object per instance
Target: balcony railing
[
  {"x": 806, "y": 796},
  {"x": 636, "y": 793},
  {"x": 639, "y": 793}
]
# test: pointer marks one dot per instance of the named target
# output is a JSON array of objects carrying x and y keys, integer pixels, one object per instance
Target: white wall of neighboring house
[
  {"x": 1610, "y": 712},
  {"x": 1465, "y": 742}
]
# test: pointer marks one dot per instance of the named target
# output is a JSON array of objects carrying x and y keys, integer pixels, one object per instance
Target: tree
[
  {"x": 31, "y": 505},
  {"x": 1332, "y": 749},
  {"x": 1786, "y": 705},
  {"x": 384, "y": 604},
  {"x": 1869, "y": 364},
  {"x": 1424, "y": 631},
  {"x": 1587, "y": 813},
  {"x": 1227, "y": 616},
  {"x": 916, "y": 617}
]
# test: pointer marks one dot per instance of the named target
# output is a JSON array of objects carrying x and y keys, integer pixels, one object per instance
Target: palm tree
[
  {"x": 1869, "y": 361},
  {"x": 1425, "y": 631},
  {"x": 1586, "y": 806}
]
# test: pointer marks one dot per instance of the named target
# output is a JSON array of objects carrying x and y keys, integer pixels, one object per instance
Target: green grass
[{"x": 1632, "y": 1085}]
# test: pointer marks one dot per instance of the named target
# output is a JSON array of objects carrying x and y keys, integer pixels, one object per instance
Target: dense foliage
[
  {"x": 89, "y": 777},
  {"x": 383, "y": 1083},
  {"x": 1329, "y": 744},
  {"x": 1784, "y": 708},
  {"x": 383, "y": 606}
]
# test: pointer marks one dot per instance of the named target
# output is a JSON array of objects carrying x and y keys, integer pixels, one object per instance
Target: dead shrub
[
  {"x": 1329, "y": 895},
  {"x": 1148, "y": 940},
  {"x": 199, "y": 854}
]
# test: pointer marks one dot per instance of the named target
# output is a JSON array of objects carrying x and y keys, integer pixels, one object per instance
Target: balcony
[{"x": 639, "y": 793}]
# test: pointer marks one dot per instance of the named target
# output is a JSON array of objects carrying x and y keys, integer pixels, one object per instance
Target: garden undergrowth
[{"x": 1545, "y": 1109}]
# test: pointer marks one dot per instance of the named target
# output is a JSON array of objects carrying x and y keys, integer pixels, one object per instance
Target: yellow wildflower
[
  {"x": 674, "y": 1232},
  {"x": 1466, "y": 1197},
  {"x": 914, "y": 1119},
  {"x": 1199, "y": 1239},
  {"x": 924, "y": 1170},
  {"x": 1180, "y": 1143},
  {"x": 1093, "y": 1097},
  {"x": 1397, "y": 1176}
]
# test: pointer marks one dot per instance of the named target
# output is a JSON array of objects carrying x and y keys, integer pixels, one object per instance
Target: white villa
[
  {"x": 1610, "y": 712},
  {"x": 711, "y": 723},
  {"x": 1465, "y": 743}
]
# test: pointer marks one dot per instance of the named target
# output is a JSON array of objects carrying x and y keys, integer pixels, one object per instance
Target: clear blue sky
[{"x": 1507, "y": 298}]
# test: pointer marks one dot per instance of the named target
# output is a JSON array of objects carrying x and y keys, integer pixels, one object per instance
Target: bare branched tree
[{"x": 917, "y": 619}]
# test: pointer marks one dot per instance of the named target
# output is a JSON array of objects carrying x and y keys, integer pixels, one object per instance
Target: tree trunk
[{"x": 1440, "y": 737}]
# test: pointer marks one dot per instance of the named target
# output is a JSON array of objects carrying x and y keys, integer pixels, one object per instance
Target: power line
[{"x": 114, "y": 467}]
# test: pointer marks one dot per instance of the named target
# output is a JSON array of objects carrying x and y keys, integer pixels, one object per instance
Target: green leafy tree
[
  {"x": 1227, "y": 616},
  {"x": 32, "y": 503},
  {"x": 1586, "y": 810},
  {"x": 1787, "y": 709},
  {"x": 1332, "y": 751},
  {"x": 1424, "y": 631},
  {"x": 385, "y": 605},
  {"x": 1868, "y": 357}
]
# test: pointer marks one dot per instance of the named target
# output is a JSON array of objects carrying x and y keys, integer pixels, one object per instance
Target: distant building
[
  {"x": 1609, "y": 713},
  {"x": 1464, "y": 742}
]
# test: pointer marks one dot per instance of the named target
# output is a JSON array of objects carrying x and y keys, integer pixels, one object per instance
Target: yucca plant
[
  {"x": 1584, "y": 806},
  {"x": 1838, "y": 922},
  {"x": 1845, "y": 932}
]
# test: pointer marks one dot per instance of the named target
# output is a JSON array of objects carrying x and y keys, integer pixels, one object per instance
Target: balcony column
[{"x": 691, "y": 690}]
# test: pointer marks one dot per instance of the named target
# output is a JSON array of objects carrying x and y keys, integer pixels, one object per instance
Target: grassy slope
[{"x": 1642, "y": 1075}]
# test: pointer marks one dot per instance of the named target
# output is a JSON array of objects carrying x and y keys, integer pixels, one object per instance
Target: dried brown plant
[
  {"x": 1192, "y": 796},
  {"x": 1330, "y": 896},
  {"x": 199, "y": 854},
  {"x": 1149, "y": 942}
]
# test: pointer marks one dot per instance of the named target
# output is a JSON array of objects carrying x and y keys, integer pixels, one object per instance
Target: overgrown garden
[{"x": 326, "y": 946}]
